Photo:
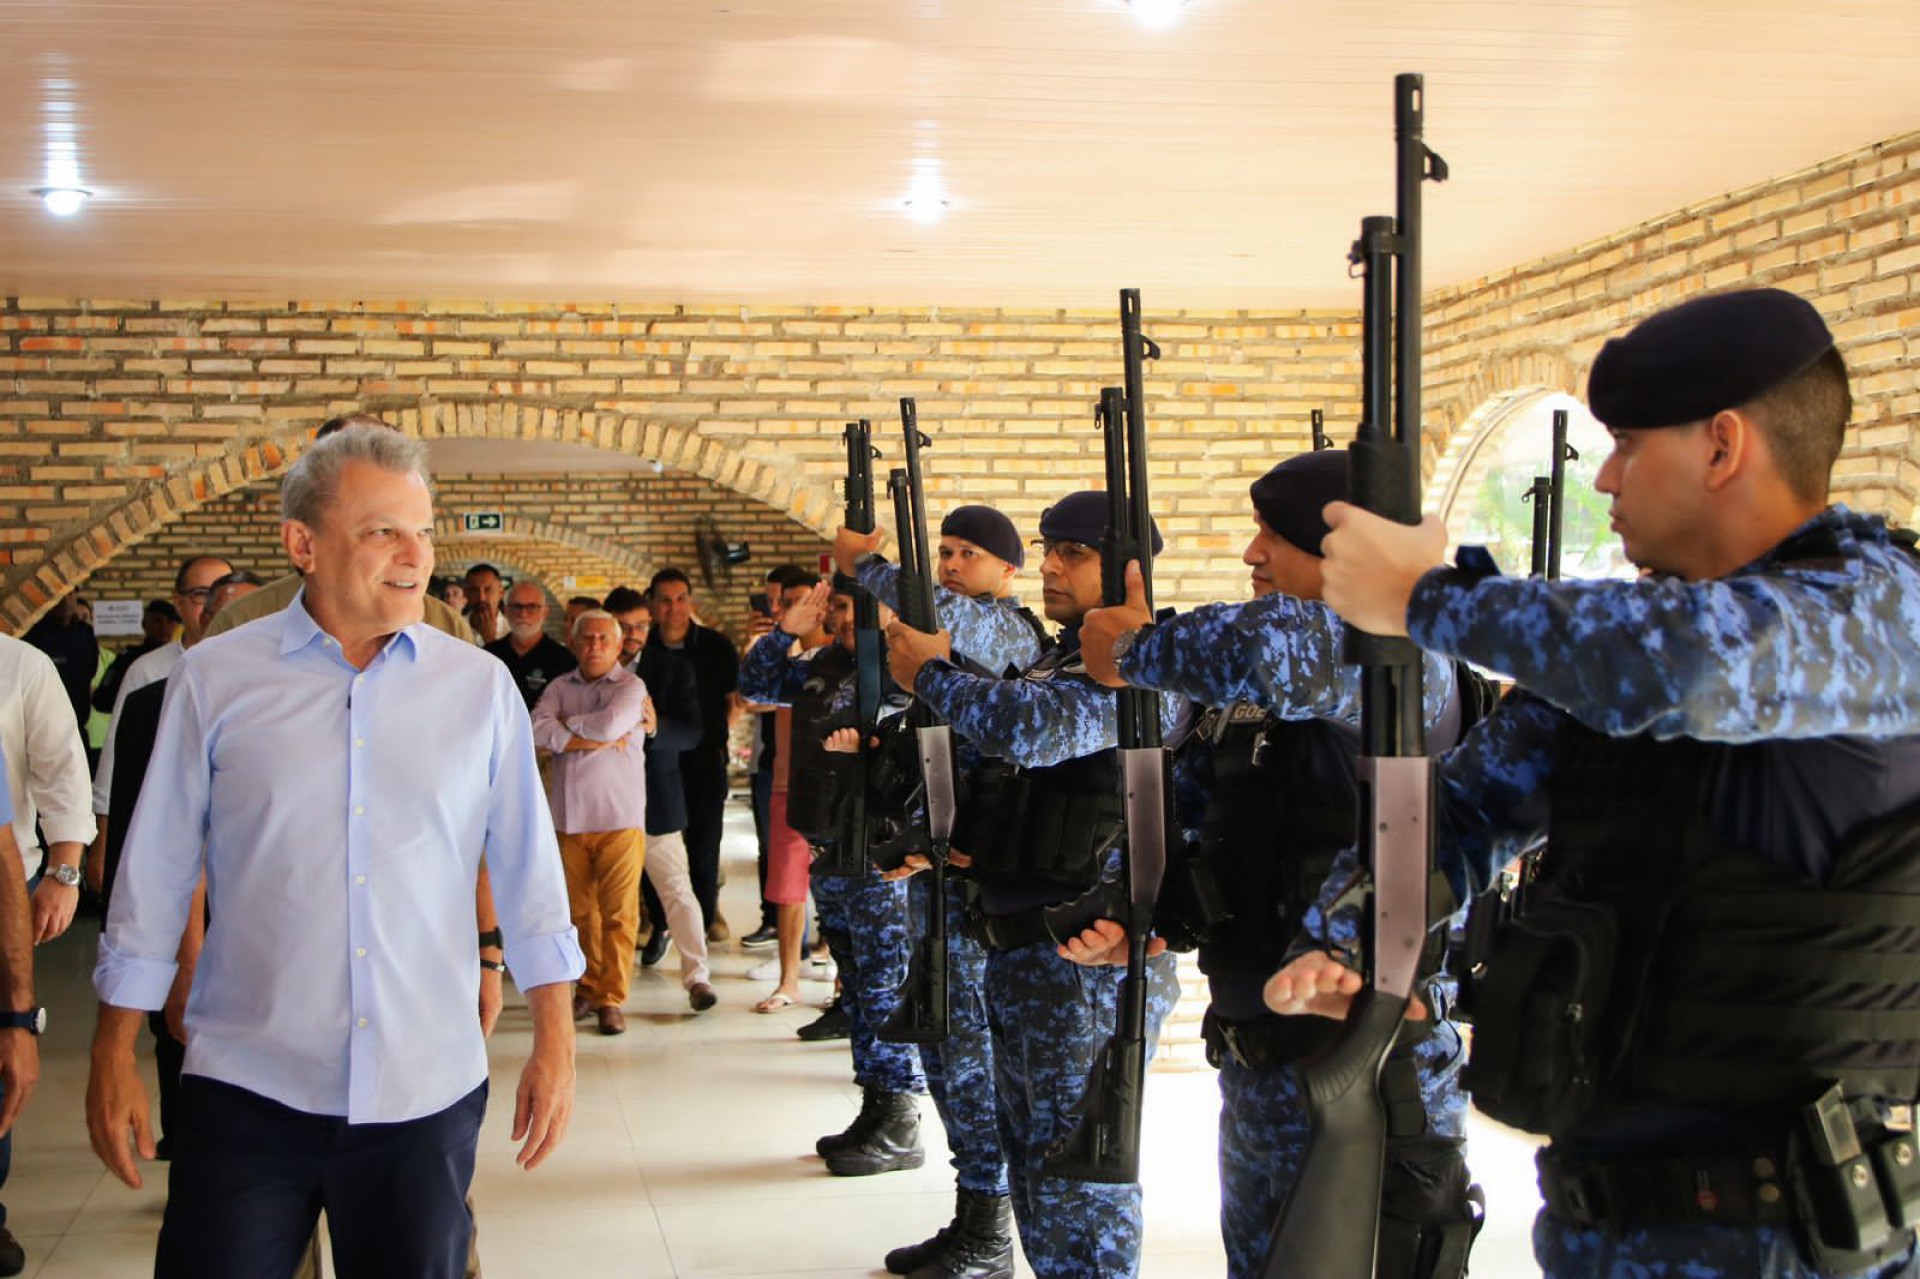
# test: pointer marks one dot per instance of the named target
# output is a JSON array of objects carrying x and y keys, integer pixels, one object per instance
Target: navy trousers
[{"x": 249, "y": 1178}]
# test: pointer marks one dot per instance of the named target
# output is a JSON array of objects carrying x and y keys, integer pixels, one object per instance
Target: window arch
[{"x": 1482, "y": 493}]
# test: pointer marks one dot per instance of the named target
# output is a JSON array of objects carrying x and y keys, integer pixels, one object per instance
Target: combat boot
[
  {"x": 856, "y": 1132},
  {"x": 891, "y": 1144},
  {"x": 904, "y": 1261},
  {"x": 981, "y": 1243}
]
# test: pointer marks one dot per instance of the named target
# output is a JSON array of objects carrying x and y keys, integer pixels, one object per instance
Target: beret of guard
[
  {"x": 1291, "y": 495},
  {"x": 1082, "y": 517},
  {"x": 1716, "y": 352},
  {"x": 987, "y": 529}
]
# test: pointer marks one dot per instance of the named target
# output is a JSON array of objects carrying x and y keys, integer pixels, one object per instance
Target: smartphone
[{"x": 757, "y": 603}]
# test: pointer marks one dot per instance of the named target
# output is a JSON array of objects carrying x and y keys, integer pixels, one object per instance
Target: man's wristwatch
[
  {"x": 65, "y": 875},
  {"x": 33, "y": 1021},
  {"x": 493, "y": 966},
  {"x": 1123, "y": 642}
]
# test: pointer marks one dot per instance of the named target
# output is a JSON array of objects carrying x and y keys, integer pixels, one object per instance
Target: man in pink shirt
[{"x": 596, "y": 720}]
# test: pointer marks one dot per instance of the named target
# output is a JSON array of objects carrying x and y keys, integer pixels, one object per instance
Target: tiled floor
[{"x": 689, "y": 1154}]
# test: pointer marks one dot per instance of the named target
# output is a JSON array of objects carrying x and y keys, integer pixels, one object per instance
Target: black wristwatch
[
  {"x": 493, "y": 966},
  {"x": 492, "y": 937},
  {"x": 33, "y": 1021}
]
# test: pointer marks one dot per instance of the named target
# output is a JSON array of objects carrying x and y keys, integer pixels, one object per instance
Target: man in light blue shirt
[{"x": 336, "y": 770}]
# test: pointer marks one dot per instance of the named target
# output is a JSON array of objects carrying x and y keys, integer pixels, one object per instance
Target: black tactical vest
[
  {"x": 1272, "y": 828},
  {"x": 815, "y": 776},
  {"x": 1046, "y": 827},
  {"x": 1652, "y": 961}
]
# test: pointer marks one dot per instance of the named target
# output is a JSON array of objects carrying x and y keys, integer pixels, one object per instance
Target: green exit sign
[{"x": 483, "y": 522}]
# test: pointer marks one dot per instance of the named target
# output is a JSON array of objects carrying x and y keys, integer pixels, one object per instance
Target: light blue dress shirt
[{"x": 342, "y": 815}]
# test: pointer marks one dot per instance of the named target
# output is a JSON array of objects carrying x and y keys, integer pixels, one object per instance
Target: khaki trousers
[{"x": 603, "y": 892}]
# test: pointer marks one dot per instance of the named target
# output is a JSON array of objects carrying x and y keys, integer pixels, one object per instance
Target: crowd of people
[{"x": 1702, "y": 997}]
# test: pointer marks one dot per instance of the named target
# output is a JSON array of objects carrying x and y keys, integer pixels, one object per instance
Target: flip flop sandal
[{"x": 774, "y": 1003}]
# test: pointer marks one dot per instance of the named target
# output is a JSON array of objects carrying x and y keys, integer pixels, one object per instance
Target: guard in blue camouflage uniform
[
  {"x": 979, "y": 554},
  {"x": 1043, "y": 825},
  {"x": 1707, "y": 992},
  {"x": 819, "y": 685},
  {"x": 1264, "y": 791}
]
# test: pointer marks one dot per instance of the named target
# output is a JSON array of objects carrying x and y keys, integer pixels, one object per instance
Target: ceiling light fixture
[
  {"x": 63, "y": 202},
  {"x": 1157, "y": 15},
  {"x": 926, "y": 200}
]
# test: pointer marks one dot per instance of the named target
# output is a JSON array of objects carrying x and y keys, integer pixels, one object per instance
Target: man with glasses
[
  {"x": 534, "y": 658},
  {"x": 192, "y": 589}
]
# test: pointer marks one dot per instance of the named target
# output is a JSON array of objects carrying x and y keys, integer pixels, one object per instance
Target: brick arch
[
  {"x": 254, "y": 460},
  {"x": 517, "y": 532},
  {"x": 1462, "y": 415}
]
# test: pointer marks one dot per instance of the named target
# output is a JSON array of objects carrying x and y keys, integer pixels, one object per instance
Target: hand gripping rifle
[
  {"x": 1105, "y": 1146},
  {"x": 921, "y": 1017},
  {"x": 849, "y": 852},
  {"x": 1329, "y": 1226}
]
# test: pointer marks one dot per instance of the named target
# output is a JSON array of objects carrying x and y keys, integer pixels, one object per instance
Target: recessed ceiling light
[
  {"x": 925, "y": 207},
  {"x": 63, "y": 202},
  {"x": 926, "y": 200},
  {"x": 1157, "y": 14}
]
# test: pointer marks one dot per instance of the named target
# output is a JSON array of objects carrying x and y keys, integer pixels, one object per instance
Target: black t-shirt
[{"x": 539, "y": 666}]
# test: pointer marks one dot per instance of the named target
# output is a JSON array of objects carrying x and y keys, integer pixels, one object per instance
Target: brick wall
[
  {"x": 1844, "y": 233},
  {"x": 124, "y": 415},
  {"x": 120, "y": 416}
]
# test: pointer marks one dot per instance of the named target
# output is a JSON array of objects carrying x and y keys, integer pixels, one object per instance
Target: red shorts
[{"x": 787, "y": 857}]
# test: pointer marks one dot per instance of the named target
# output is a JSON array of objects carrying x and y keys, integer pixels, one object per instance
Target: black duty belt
[
  {"x": 1726, "y": 1190},
  {"x": 1011, "y": 932}
]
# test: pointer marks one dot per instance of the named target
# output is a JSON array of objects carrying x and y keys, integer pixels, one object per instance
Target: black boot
[
  {"x": 832, "y": 1023},
  {"x": 903, "y": 1261},
  {"x": 981, "y": 1245},
  {"x": 892, "y": 1141},
  {"x": 856, "y": 1132}
]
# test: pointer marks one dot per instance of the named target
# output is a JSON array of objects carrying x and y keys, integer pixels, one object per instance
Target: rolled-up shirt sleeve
[
  {"x": 161, "y": 863},
  {"x": 523, "y": 857},
  {"x": 55, "y": 766}
]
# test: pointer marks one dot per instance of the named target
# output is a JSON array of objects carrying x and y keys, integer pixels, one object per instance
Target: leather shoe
[
  {"x": 612, "y": 1021},
  {"x": 718, "y": 931},
  {"x": 582, "y": 1008},
  {"x": 656, "y": 948},
  {"x": 701, "y": 997},
  {"x": 13, "y": 1258}
]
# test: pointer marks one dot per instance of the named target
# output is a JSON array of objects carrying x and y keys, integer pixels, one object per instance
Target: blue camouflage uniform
[
  {"x": 1283, "y": 655},
  {"x": 1810, "y": 659},
  {"x": 1049, "y": 1017},
  {"x": 870, "y": 910},
  {"x": 993, "y": 635}
]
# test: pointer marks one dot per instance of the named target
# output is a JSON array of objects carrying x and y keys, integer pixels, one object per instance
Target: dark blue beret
[
  {"x": 1291, "y": 495},
  {"x": 987, "y": 529},
  {"x": 1082, "y": 517},
  {"x": 1715, "y": 352}
]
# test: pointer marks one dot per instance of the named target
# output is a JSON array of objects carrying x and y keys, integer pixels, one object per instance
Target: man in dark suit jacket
[{"x": 667, "y": 885}]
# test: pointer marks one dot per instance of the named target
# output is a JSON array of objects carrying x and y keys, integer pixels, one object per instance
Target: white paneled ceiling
[{"x": 760, "y": 150}]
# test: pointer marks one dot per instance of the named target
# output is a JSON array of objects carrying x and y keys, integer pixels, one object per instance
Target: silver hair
[
  {"x": 310, "y": 487},
  {"x": 573, "y": 631}
]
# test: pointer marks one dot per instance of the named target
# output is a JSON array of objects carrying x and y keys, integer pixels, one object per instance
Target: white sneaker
[
  {"x": 820, "y": 968},
  {"x": 765, "y": 970}
]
